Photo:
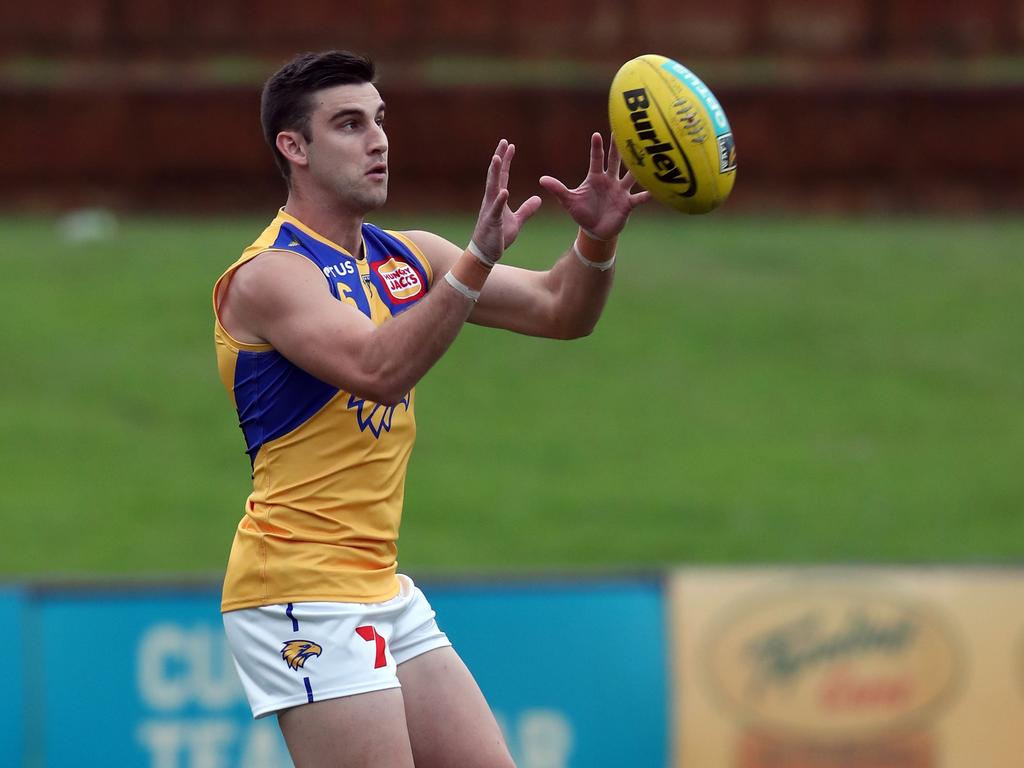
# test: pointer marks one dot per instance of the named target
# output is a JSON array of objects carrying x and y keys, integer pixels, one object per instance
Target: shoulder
[
  {"x": 260, "y": 282},
  {"x": 276, "y": 260},
  {"x": 270, "y": 271}
]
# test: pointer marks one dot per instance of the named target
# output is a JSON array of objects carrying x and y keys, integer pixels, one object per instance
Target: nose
[{"x": 378, "y": 140}]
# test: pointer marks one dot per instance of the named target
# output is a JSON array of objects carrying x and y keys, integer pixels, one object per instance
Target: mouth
[{"x": 378, "y": 171}]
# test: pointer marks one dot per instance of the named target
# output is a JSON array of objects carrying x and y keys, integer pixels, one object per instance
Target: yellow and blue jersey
[{"x": 328, "y": 467}]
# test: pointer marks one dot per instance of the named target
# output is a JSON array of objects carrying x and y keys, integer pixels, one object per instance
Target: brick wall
[
  {"x": 603, "y": 29},
  {"x": 863, "y": 104}
]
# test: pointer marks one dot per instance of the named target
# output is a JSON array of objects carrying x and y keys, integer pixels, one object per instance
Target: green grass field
[{"x": 764, "y": 390}]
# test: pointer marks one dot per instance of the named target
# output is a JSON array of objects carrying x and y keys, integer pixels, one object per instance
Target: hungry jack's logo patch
[{"x": 399, "y": 279}]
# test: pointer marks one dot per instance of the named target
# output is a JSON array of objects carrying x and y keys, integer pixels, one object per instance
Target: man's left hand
[{"x": 602, "y": 203}]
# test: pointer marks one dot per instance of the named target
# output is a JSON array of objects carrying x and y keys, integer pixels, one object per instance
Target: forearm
[
  {"x": 402, "y": 349},
  {"x": 581, "y": 281}
]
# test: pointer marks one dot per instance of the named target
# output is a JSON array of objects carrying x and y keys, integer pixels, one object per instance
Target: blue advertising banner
[
  {"x": 145, "y": 680},
  {"x": 576, "y": 674},
  {"x": 14, "y": 692}
]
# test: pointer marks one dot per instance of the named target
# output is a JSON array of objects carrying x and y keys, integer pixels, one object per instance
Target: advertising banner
[
  {"x": 848, "y": 668},
  {"x": 575, "y": 671},
  {"x": 12, "y": 687}
]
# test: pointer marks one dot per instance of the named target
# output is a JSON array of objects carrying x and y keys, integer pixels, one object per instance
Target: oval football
[{"x": 672, "y": 133}]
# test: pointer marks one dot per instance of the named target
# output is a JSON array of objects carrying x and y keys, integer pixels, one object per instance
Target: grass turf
[{"x": 758, "y": 390}]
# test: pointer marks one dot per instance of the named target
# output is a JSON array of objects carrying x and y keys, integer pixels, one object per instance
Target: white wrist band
[
  {"x": 604, "y": 266},
  {"x": 592, "y": 236},
  {"x": 461, "y": 287},
  {"x": 475, "y": 250}
]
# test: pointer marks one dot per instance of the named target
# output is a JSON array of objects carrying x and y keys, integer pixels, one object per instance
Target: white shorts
[{"x": 296, "y": 653}]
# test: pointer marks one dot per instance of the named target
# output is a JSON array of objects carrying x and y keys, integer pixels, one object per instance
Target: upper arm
[
  {"x": 513, "y": 298},
  {"x": 282, "y": 298}
]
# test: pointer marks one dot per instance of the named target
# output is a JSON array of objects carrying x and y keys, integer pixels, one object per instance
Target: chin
[
  {"x": 367, "y": 198},
  {"x": 376, "y": 200}
]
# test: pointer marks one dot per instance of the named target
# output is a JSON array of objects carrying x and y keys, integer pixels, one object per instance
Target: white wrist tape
[
  {"x": 604, "y": 266},
  {"x": 592, "y": 236},
  {"x": 461, "y": 287},
  {"x": 481, "y": 257}
]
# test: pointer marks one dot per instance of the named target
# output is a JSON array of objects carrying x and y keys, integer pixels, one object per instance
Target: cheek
[{"x": 333, "y": 158}]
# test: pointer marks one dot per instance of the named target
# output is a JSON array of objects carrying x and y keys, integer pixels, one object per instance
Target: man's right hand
[{"x": 498, "y": 225}]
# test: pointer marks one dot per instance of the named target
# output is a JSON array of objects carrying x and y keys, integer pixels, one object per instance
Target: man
[{"x": 323, "y": 328}]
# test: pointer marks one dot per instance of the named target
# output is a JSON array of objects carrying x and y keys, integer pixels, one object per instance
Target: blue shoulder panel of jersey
[
  {"x": 399, "y": 276},
  {"x": 338, "y": 267},
  {"x": 274, "y": 396}
]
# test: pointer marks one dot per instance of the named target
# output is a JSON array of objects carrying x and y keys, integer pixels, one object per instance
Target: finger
[
  {"x": 614, "y": 161},
  {"x": 639, "y": 198},
  {"x": 496, "y": 211},
  {"x": 529, "y": 207},
  {"x": 558, "y": 190},
  {"x": 554, "y": 186},
  {"x": 628, "y": 180},
  {"x": 494, "y": 167},
  {"x": 596, "y": 153},
  {"x": 493, "y": 173},
  {"x": 506, "y": 163},
  {"x": 515, "y": 224}
]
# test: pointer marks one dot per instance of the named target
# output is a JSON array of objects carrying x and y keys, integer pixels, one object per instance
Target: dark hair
[{"x": 285, "y": 102}]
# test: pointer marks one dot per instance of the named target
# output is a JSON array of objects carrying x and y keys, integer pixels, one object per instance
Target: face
[{"x": 347, "y": 156}]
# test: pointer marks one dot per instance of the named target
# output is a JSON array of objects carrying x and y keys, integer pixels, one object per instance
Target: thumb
[
  {"x": 527, "y": 209},
  {"x": 555, "y": 187}
]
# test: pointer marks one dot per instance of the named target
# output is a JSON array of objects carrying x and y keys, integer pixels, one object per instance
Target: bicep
[{"x": 284, "y": 299}]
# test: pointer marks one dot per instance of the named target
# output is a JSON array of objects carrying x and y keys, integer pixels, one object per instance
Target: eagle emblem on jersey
[
  {"x": 295, "y": 652},
  {"x": 374, "y": 416}
]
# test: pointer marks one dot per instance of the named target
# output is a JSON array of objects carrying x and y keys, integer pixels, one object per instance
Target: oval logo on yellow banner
[
  {"x": 832, "y": 662},
  {"x": 400, "y": 279}
]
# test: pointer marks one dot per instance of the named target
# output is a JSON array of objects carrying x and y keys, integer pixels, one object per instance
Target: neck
[{"x": 327, "y": 218}]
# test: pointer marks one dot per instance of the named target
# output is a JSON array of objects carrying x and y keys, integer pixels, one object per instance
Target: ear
[{"x": 292, "y": 145}]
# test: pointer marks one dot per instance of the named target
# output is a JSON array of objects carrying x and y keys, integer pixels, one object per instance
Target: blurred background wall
[{"x": 912, "y": 105}]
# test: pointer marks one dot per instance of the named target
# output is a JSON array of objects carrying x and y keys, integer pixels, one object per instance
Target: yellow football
[{"x": 672, "y": 134}]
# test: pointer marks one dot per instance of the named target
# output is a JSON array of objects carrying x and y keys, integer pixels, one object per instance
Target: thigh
[
  {"x": 351, "y": 732},
  {"x": 449, "y": 721}
]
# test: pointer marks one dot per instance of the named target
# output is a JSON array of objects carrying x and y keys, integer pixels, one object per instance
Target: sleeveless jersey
[{"x": 328, "y": 467}]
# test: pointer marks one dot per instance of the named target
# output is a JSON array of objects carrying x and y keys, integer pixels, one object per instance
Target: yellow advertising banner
[{"x": 848, "y": 667}]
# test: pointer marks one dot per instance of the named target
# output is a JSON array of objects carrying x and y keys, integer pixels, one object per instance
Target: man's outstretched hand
[
  {"x": 603, "y": 202},
  {"x": 498, "y": 225}
]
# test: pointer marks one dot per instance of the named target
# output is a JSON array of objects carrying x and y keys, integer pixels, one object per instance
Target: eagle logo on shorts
[{"x": 295, "y": 652}]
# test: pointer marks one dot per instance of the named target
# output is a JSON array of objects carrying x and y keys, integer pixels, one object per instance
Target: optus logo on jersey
[
  {"x": 340, "y": 270},
  {"x": 296, "y": 652}
]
